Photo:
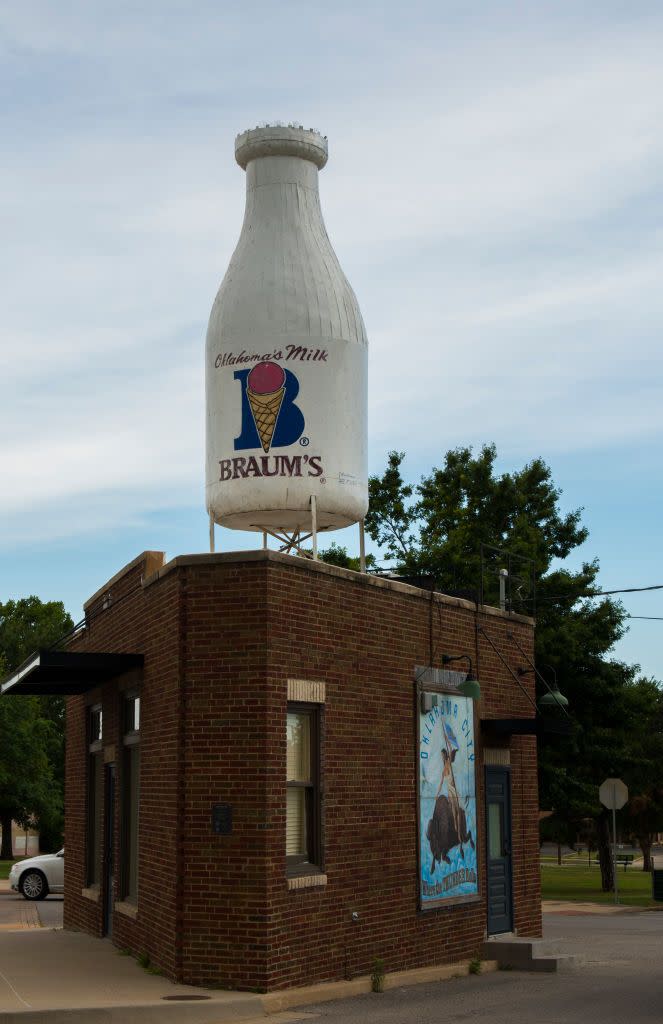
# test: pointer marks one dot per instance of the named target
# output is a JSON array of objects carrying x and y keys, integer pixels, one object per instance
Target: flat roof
[
  {"x": 65, "y": 673},
  {"x": 324, "y": 568}
]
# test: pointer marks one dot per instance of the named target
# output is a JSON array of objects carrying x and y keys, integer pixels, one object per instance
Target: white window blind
[{"x": 295, "y": 826}]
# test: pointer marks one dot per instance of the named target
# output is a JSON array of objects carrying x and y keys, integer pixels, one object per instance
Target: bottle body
[{"x": 286, "y": 360}]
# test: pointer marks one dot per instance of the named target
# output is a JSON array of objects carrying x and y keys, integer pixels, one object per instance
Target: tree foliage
[
  {"x": 336, "y": 555},
  {"x": 436, "y": 528},
  {"x": 31, "y": 728},
  {"x": 643, "y": 814}
]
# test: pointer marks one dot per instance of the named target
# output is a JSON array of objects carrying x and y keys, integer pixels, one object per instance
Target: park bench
[{"x": 622, "y": 858}]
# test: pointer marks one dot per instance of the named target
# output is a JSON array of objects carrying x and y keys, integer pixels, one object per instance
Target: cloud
[{"x": 492, "y": 194}]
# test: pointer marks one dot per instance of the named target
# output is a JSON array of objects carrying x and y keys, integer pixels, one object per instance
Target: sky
[{"x": 493, "y": 193}]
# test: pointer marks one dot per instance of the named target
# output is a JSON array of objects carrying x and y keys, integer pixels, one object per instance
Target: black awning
[
  {"x": 67, "y": 672},
  {"x": 539, "y": 726}
]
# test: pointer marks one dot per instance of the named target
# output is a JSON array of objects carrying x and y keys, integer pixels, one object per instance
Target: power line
[
  {"x": 652, "y": 618},
  {"x": 629, "y": 590},
  {"x": 567, "y": 597},
  {"x": 596, "y": 593}
]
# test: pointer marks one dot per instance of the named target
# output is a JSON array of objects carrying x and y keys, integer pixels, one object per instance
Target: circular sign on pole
[{"x": 613, "y": 794}]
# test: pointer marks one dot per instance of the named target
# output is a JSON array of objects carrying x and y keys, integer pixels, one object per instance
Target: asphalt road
[
  {"x": 621, "y": 981},
  {"x": 15, "y": 911}
]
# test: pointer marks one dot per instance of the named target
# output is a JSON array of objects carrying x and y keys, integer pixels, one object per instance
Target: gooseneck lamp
[
  {"x": 470, "y": 685},
  {"x": 554, "y": 698}
]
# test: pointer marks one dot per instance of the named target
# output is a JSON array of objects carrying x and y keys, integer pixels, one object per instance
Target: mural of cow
[{"x": 448, "y": 826}]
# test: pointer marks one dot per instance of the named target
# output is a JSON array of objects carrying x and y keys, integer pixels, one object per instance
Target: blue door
[{"x": 498, "y": 852}]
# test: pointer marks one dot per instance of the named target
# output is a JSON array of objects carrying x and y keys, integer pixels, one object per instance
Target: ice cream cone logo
[
  {"x": 265, "y": 389},
  {"x": 270, "y": 416}
]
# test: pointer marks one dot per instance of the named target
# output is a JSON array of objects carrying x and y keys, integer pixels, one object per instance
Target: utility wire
[
  {"x": 542, "y": 598},
  {"x": 376, "y": 570},
  {"x": 632, "y": 590},
  {"x": 579, "y": 597},
  {"x": 598, "y": 593}
]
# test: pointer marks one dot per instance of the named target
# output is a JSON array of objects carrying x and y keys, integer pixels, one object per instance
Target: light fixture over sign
[{"x": 470, "y": 686}]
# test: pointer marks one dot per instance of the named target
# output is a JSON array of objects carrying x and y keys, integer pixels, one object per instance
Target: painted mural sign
[
  {"x": 269, "y": 413},
  {"x": 447, "y": 802},
  {"x": 284, "y": 424},
  {"x": 270, "y": 418}
]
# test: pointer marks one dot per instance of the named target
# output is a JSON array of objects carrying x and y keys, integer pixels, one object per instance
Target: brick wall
[
  {"x": 148, "y": 623},
  {"x": 221, "y": 635}
]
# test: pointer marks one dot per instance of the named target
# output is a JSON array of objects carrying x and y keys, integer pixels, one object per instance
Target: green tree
[
  {"x": 31, "y": 728},
  {"x": 28, "y": 624},
  {"x": 27, "y": 789},
  {"x": 642, "y": 817},
  {"x": 437, "y": 527},
  {"x": 336, "y": 555}
]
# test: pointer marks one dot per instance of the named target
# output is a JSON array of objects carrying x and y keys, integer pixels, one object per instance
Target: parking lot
[{"x": 619, "y": 980}]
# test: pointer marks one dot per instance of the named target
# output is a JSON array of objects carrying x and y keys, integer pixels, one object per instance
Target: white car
[{"x": 35, "y": 877}]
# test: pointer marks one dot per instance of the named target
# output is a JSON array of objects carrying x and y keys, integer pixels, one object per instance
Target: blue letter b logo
[{"x": 289, "y": 425}]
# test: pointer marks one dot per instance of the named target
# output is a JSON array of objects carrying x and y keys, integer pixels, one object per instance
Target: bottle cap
[{"x": 281, "y": 140}]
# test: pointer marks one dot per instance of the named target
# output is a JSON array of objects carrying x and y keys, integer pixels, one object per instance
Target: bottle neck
[
  {"x": 281, "y": 170},
  {"x": 282, "y": 190}
]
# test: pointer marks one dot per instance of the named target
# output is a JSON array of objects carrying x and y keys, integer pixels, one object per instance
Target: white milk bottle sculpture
[{"x": 286, "y": 363}]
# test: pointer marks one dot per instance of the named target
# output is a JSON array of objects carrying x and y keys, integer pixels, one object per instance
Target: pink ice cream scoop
[
  {"x": 266, "y": 378},
  {"x": 265, "y": 388}
]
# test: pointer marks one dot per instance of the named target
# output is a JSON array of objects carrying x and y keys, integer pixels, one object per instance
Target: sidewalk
[
  {"x": 572, "y": 908},
  {"x": 64, "y": 977},
  {"x": 61, "y": 977}
]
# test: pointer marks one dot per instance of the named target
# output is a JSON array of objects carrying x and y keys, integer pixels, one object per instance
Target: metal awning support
[
  {"x": 511, "y": 726},
  {"x": 513, "y": 675},
  {"x": 67, "y": 672},
  {"x": 539, "y": 726}
]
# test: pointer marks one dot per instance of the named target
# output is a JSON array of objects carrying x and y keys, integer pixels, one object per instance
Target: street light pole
[{"x": 614, "y": 841}]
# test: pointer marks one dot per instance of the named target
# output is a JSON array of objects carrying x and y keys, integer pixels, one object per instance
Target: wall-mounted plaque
[{"x": 222, "y": 819}]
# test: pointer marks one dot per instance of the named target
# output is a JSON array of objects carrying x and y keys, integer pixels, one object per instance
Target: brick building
[{"x": 255, "y": 796}]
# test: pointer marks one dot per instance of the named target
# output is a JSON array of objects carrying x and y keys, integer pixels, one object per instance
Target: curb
[
  {"x": 276, "y": 1002},
  {"x": 148, "y": 1013},
  {"x": 572, "y": 907}
]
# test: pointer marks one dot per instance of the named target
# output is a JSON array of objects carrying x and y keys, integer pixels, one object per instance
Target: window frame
[
  {"x": 313, "y": 859},
  {"x": 94, "y": 795},
  {"x": 130, "y": 748}
]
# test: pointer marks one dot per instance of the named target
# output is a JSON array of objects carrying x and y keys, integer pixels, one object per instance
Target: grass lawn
[
  {"x": 6, "y": 866},
  {"x": 567, "y": 858},
  {"x": 582, "y": 884}
]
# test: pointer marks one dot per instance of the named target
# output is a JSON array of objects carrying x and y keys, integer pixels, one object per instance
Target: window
[
  {"x": 303, "y": 832},
  {"x": 95, "y": 793},
  {"x": 130, "y": 796}
]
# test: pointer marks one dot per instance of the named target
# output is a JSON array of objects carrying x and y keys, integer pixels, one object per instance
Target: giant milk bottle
[{"x": 286, "y": 360}]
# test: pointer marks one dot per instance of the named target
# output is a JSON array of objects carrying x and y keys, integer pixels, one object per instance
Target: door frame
[
  {"x": 505, "y": 770},
  {"x": 108, "y": 889}
]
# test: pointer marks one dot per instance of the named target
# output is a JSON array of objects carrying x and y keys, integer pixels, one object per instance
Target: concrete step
[
  {"x": 523, "y": 954},
  {"x": 522, "y": 949},
  {"x": 554, "y": 964}
]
